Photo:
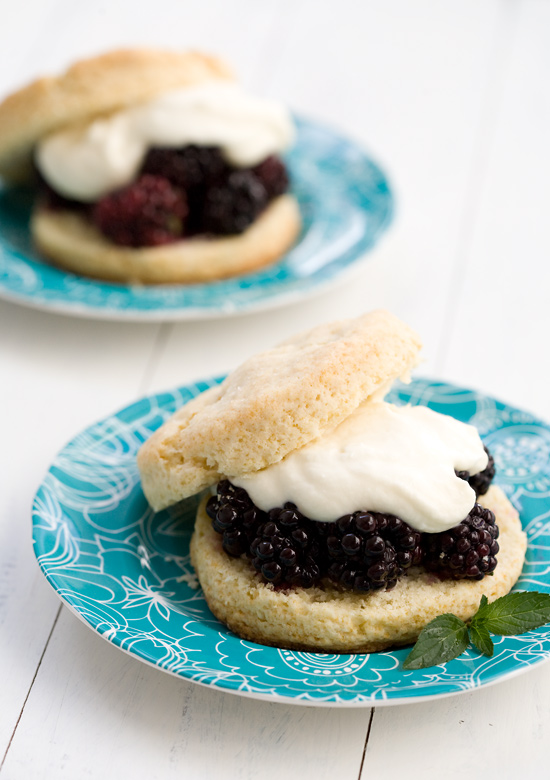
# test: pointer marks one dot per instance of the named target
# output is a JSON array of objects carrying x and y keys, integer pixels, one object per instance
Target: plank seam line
[
  {"x": 366, "y": 743},
  {"x": 31, "y": 685}
]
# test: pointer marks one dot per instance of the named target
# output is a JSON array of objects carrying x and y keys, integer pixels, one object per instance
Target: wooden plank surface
[
  {"x": 59, "y": 377},
  {"x": 452, "y": 98},
  {"x": 98, "y": 712},
  {"x": 504, "y": 288}
]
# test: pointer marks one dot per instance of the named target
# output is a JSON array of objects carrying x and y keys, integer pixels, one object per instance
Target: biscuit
[
  {"x": 274, "y": 403},
  {"x": 74, "y": 243},
  {"x": 326, "y": 619},
  {"x": 90, "y": 88}
]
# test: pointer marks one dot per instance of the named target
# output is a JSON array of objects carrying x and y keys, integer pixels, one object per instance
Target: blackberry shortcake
[
  {"x": 153, "y": 167},
  {"x": 339, "y": 522}
]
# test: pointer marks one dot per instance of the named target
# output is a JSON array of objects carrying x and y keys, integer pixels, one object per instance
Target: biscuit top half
[
  {"x": 274, "y": 403},
  {"x": 92, "y": 88}
]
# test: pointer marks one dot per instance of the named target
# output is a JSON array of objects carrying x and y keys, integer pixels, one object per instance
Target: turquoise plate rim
[
  {"x": 346, "y": 204},
  {"x": 107, "y": 449}
]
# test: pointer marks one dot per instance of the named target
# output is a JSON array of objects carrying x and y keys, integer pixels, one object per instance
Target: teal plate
[
  {"x": 345, "y": 202},
  {"x": 125, "y": 571}
]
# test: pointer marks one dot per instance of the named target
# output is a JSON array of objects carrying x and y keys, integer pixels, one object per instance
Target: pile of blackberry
[
  {"x": 180, "y": 193},
  {"x": 363, "y": 551}
]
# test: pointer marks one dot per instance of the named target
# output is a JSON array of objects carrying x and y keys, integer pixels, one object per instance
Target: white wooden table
[{"x": 453, "y": 98}]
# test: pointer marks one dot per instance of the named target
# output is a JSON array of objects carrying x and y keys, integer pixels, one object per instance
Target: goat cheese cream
[
  {"x": 86, "y": 162},
  {"x": 382, "y": 458}
]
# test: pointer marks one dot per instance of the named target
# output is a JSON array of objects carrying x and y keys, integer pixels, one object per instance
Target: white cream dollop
[
  {"x": 382, "y": 458},
  {"x": 86, "y": 162}
]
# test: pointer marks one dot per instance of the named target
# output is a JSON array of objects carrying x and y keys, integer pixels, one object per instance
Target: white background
[{"x": 453, "y": 100}]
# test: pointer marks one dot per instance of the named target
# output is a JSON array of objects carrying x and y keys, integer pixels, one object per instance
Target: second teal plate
[{"x": 346, "y": 204}]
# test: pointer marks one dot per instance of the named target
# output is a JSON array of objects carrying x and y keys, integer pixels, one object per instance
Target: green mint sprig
[{"x": 447, "y": 636}]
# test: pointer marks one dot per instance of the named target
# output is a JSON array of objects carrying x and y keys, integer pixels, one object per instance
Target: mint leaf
[
  {"x": 513, "y": 614},
  {"x": 445, "y": 637},
  {"x": 480, "y": 638}
]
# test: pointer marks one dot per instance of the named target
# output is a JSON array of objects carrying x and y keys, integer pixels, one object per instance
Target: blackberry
[
  {"x": 286, "y": 550},
  {"x": 407, "y": 542},
  {"x": 480, "y": 482},
  {"x": 468, "y": 550},
  {"x": 370, "y": 550},
  {"x": 187, "y": 167},
  {"x": 272, "y": 174},
  {"x": 233, "y": 204},
  {"x": 148, "y": 212},
  {"x": 235, "y": 517}
]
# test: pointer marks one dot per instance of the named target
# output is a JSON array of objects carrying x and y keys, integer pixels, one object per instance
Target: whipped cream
[
  {"x": 86, "y": 162},
  {"x": 382, "y": 458}
]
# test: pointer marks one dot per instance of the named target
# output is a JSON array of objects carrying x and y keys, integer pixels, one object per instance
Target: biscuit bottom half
[
  {"x": 328, "y": 619},
  {"x": 74, "y": 243}
]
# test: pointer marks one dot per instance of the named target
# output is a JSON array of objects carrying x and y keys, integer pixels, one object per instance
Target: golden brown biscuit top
[
  {"x": 274, "y": 403},
  {"x": 90, "y": 88}
]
